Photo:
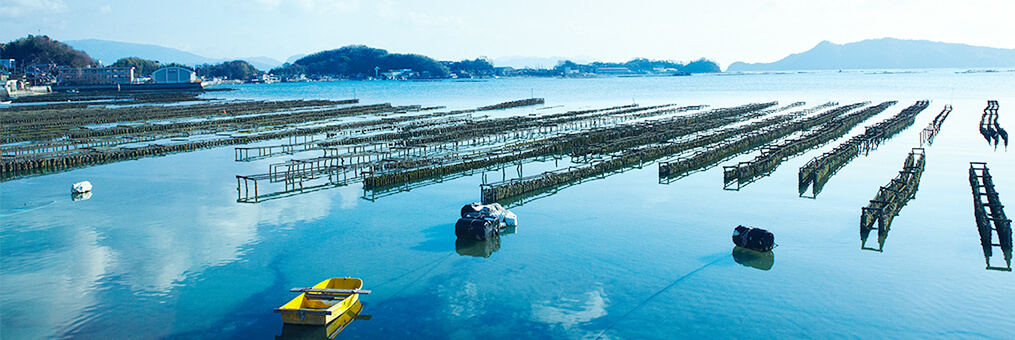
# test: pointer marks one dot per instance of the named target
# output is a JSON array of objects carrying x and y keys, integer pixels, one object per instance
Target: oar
[{"x": 329, "y": 290}]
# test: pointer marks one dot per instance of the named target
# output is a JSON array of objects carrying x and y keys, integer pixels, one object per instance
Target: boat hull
[{"x": 320, "y": 308}]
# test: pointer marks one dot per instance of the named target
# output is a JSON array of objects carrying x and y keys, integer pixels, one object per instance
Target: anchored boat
[{"x": 322, "y": 303}]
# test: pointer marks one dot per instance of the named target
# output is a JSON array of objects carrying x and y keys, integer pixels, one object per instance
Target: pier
[
  {"x": 833, "y": 124},
  {"x": 891, "y": 198},
  {"x": 932, "y": 129},
  {"x": 634, "y": 156},
  {"x": 820, "y": 169},
  {"x": 990, "y": 217},
  {"x": 989, "y": 127},
  {"x": 730, "y": 142}
]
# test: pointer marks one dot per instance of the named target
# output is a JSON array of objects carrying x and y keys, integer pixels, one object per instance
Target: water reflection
[
  {"x": 569, "y": 312},
  {"x": 485, "y": 248},
  {"x": 80, "y": 196},
  {"x": 475, "y": 248},
  {"x": 882, "y": 236},
  {"x": 988, "y": 245},
  {"x": 754, "y": 259},
  {"x": 329, "y": 331}
]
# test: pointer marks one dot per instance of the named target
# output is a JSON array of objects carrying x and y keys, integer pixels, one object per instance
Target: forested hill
[
  {"x": 359, "y": 61},
  {"x": 887, "y": 53},
  {"x": 40, "y": 49}
]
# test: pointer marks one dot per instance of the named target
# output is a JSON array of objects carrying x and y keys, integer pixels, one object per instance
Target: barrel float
[
  {"x": 756, "y": 239},
  {"x": 477, "y": 227}
]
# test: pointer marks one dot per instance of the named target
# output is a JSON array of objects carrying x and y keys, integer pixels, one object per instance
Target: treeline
[
  {"x": 145, "y": 67},
  {"x": 349, "y": 62},
  {"x": 361, "y": 62},
  {"x": 638, "y": 66},
  {"x": 236, "y": 69}
]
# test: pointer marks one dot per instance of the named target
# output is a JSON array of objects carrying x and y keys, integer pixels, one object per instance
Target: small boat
[{"x": 322, "y": 303}]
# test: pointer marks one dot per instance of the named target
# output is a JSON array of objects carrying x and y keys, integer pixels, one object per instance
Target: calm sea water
[{"x": 163, "y": 250}]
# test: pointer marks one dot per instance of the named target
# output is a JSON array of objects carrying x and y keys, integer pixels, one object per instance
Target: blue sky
[{"x": 722, "y": 30}]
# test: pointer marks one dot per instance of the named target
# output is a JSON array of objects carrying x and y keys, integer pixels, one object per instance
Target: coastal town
[{"x": 23, "y": 73}]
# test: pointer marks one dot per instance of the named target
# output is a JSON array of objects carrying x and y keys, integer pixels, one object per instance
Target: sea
[{"x": 163, "y": 249}]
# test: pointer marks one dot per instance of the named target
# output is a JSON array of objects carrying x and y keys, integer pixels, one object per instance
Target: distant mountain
[
  {"x": 887, "y": 53},
  {"x": 295, "y": 57},
  {"x": 261, "y": 63},
  {"x": 110, "y": 51}
]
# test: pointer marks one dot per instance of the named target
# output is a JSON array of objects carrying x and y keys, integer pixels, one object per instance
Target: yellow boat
[
  {"x": 322, "y": 303},
  {"x": 308, "y": 332}
]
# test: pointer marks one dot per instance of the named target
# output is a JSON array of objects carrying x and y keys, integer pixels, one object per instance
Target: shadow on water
[
  {"x": 753, "y": 258},
  {"x": 329, "y": 331}
]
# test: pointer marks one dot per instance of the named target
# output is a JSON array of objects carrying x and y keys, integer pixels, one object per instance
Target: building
[
  {"x": 95, "y": 75},
  {"x": 404, "y": 73},
  {"x": 173, "y": 75},
  {"x": 7, "y": 64},
  {"x": 612, "y": 70}
]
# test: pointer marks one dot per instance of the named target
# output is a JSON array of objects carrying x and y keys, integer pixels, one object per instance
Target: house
[
  {"x": 7, "y": 64},
  {"x": 404, "y": 73},
  {"x": 95, "y": 75}
]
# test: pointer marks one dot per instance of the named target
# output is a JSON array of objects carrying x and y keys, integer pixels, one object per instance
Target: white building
[{"x": 173, "y": 75}]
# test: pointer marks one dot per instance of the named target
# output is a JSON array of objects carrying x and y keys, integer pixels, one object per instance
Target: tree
[
  {"x": 42, "y": 50},
  {"x": 478, "y": 67},
  {"x": 355, "y": 61},
  {"x": 142, "y": 67}
]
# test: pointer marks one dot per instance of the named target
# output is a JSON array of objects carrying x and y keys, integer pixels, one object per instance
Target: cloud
[
  {"x": 22, "y": 8},
  {"x": 311, "y": 6},
  {"x": 105, "y": 9}
]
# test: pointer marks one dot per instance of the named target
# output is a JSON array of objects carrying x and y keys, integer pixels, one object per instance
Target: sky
[{"x": 722, "y": 30}]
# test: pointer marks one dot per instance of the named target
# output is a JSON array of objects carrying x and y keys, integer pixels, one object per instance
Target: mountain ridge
[
  {"x": 886, "y": 53},
  {"x": 109, "y": 51}
]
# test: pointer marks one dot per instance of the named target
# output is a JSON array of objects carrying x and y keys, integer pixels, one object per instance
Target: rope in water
[{"x": 674, "y": 283}]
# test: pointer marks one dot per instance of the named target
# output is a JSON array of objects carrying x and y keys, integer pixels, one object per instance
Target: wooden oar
[{"x": 329, "y": 290}]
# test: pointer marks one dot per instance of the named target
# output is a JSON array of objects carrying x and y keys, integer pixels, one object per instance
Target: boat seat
[{"x": 326, "y": 296}]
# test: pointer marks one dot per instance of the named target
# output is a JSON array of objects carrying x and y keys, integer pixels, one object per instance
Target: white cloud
[{"x": 21, "y": 8}]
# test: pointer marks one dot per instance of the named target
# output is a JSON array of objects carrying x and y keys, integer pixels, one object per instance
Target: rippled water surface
[{"x": 162, "y": 249}]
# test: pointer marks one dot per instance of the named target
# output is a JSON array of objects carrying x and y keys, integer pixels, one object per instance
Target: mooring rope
[
  {"x": 674, "y": 283},
  {"x": 433, "y": 263}
]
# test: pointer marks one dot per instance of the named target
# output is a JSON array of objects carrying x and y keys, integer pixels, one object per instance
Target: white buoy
[{"x": 81, "y": 187}]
